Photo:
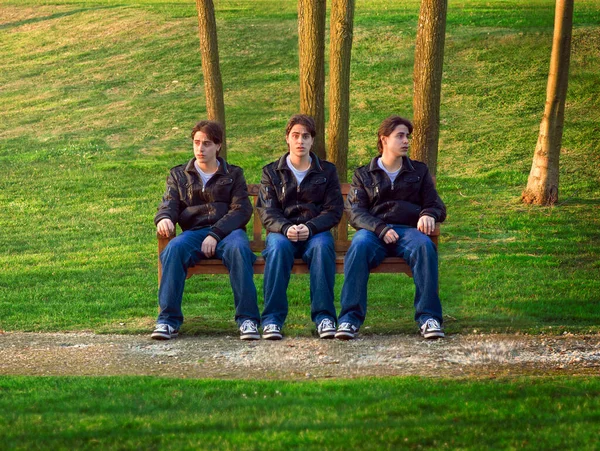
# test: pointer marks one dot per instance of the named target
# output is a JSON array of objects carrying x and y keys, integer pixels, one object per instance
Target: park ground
[
  {"x": 97, "y": 98},
  {"x": 473, "y": 355}
]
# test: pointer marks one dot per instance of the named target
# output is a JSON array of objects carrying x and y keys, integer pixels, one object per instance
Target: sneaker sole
[
  {"x": 430, "y": 335},
  {"x": 272, "y": 337},
  {"x": 327, "y": 334},
  {"x": 158, "y": 336},
  {"x": 250, "y": 337},
  {"x": 345, "y": 335}
]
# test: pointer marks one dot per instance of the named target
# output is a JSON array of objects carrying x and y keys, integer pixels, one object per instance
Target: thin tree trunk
[
  {"x": 311, "y": 46},
  {"x": 427, "y": 76},
  {"x": 341, "y": 25},
  {"x": 542, "y": 185},
  {"x": 209, "y": 49}
]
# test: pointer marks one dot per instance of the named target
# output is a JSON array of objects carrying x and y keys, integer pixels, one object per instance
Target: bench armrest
[{"x": 162, "y": 241}]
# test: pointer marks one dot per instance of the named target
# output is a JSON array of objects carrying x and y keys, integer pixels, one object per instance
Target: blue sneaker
[
  {"x": 326, "y": 328},
  {"x": 346, "y": 331},
  {"x": 272, "y": 332},
  {"x": 164, "y": 332},
  {"x": 249, "y": 330},
  {"x": 432, "y": 329}
]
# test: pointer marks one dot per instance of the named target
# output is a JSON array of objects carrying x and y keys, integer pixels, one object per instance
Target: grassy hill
[{"x": 98, "y": 97}]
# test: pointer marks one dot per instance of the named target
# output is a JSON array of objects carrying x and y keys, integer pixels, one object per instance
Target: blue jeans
[
  {"x": 184, "y": 251},
  {"x": 319, "y": 252},
  {"x": 367, "y": 251}
]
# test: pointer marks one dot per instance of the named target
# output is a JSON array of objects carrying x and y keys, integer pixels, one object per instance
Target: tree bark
[
  {"x": 427, "y": 77},
  {"x": 542, "y": 185},
  {"x": 340, "y": 48},
  {"x": 311, "y": 46},
  {"x": 209, "y": 50}
]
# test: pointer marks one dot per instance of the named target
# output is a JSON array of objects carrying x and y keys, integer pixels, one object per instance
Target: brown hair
[
  {"x": 212, "y": 129},
  {"x": 302, "y": 119},
  {"x": 389, "y": 125}
]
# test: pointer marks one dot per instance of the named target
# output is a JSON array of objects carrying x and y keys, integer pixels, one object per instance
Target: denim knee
[
  {"x": 173, "y": 251},
  {"x": 424, "y": 247},
  {"x": 321, "y": 244},
  {"x": 362, "y": 242},
  {"x": 277, "y": 244}
]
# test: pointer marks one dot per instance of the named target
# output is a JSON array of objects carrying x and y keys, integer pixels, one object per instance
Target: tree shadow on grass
[
  {"x": 19, "y": 23},
  {"x": 577, "y": 201}
]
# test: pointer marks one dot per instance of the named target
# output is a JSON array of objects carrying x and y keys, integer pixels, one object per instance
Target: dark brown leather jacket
[
  {"x": 374, "y": 203},
  {"x": 222, "y": 204},
  {"x": 317, "y": 202}
]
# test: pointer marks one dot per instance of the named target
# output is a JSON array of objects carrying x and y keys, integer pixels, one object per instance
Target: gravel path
[{"x": 297, "y": 358}]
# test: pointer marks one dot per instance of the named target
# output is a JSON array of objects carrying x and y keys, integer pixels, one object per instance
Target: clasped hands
[{"x": 298, "y": 232}]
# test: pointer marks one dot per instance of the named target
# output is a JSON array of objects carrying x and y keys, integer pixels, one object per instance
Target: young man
[
  {"x": 299, "y": 202},
  {"x": 393, "y": 205},
  {"x": 209, "y": 199}
]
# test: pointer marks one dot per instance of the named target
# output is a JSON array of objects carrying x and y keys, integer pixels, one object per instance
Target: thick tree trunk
[
  {"x": 311, "y": 45},
  {"x": 542, "y": 185},
  {"x": 429, "y": 61},
  {"x": 209, "y": 49},
  {"x": 341, "y": 25}
]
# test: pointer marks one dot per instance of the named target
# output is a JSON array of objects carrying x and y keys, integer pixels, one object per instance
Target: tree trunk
[
  {"x": 542, "y": 185},
  {"x": 311, "y": 45},
  {"x": 427, "y": 77},
  {"x": 341, "y": 25},
  {"x": 209, "y": 49}
]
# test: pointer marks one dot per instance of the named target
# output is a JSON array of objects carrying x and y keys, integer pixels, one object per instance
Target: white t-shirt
[
  {"x": 391, "y": 175},
  {"x": 298, "y": 174},
  {"x": 203, "y": 175}
]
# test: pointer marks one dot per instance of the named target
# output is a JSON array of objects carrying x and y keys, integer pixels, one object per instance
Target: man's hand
[
  {"x": 292, "y": 234},
  {"x": 426, "y": 224},
  {"x": 303, "y": 232},
  {"x": 165, "y": 227},
  {"x": 390, "y": 237},
  {"x": 298, "y": 233},
  {"x": 208, "y": 246}
]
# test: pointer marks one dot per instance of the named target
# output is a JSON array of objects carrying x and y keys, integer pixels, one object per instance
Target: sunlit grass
[
  {"x": 153, "y": 413},
  {"x": 98, "y": 98}
]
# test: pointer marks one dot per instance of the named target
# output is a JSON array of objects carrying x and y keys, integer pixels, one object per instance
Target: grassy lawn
[
  {"x": 97, "y": 98},
  {"x": 412, "y": 413}
]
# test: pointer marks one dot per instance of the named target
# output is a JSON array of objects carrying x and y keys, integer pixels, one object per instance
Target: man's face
[
  {"x": 396, "y": 144},
  {"x": 299, "y": 141},
  {"x": 205, "y": 150}
]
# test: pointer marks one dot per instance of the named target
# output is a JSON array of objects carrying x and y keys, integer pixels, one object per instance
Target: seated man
[
  {"x": 209, "y": 199},
  {"x": 299, "y": 201},
  {"x": 393, "y": 205}
]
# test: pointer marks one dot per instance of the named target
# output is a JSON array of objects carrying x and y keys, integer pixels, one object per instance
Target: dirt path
[{"x": 297, "y": 358}]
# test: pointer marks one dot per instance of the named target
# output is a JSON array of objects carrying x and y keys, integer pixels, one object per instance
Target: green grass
[
  {"x": 408, "y": 413},
  {"x": 98, "y": 98}
]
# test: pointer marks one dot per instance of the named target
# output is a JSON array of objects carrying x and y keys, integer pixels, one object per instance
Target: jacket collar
[
  {"x": 315, "y": 164},
  {"x": 406, "y": 164},
  {"x": 222, "y": 170}
]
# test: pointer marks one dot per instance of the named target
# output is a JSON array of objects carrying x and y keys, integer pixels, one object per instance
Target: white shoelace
[
  {"x": 327, "y": 324},
  {"x": 432, "y": 324},
  {"x": 249, "y": 326}
]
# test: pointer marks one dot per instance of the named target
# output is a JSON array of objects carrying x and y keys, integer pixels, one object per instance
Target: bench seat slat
[{"x": 215, "y": 266}]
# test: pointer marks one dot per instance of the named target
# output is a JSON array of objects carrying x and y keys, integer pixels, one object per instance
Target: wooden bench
[{"x": 257, "y": 244}]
